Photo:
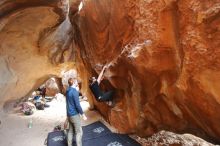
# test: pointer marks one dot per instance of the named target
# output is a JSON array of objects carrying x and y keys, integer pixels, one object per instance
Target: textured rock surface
[
  {"x": 33, "y": 41},
  {"x": 163, "y": 62},
  {"x": 170, "y": 138},
  {"x": 53, "y": 86},
  {"x": 163, "y": 57}
]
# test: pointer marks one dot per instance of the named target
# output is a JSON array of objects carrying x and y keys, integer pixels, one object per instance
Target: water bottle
[{"x": 30, "y": 124}]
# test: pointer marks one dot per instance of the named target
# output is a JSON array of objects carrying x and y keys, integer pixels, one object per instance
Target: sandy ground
[{"x": 14, "y": 129}]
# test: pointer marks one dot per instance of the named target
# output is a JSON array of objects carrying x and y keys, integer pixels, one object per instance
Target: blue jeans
[{"x": 75, "y": 127}]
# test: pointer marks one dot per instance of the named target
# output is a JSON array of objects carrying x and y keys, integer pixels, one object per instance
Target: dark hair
[
  {"x": 91, "y": 79},
  {"x": 70, "y": 81}
]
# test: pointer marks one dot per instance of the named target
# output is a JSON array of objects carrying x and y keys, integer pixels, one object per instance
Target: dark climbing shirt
[
  {"x": 95, "y": 89},
  {"x": 72, "y": 102}
]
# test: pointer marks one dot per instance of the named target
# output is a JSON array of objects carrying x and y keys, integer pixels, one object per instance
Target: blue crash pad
[{"x": 95, "y": 134}]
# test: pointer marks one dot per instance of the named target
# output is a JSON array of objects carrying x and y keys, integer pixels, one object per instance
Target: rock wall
[
  {"x": 35, "y": 38},
  {"x": 163, "y": 62},
  {"x": 162, "y": 56}
]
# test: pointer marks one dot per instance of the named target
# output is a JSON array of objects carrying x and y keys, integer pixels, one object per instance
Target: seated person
[
  {"x": 99, "y": 95},
  {"x": 40, "y": 105},
  {"x": 42, "y": 91}
]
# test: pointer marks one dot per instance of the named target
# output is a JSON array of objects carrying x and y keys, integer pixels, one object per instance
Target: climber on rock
[{"x": 100, "y": 95}]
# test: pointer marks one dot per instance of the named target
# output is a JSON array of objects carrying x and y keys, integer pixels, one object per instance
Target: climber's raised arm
[{"x": 101, "y": 74}]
